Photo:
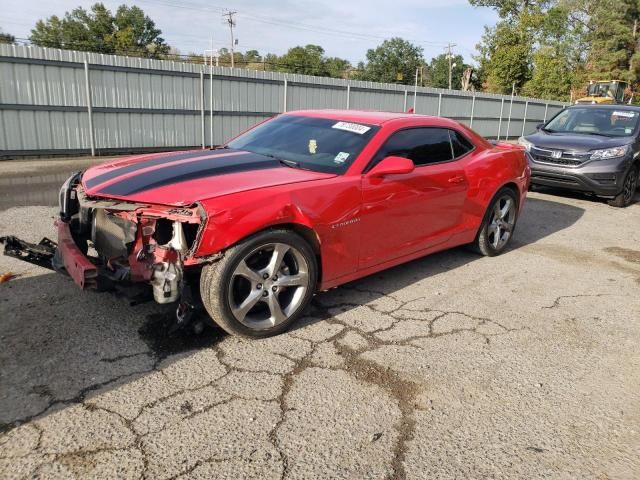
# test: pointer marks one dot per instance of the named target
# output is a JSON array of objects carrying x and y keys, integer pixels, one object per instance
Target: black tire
[
  {"x": 219, "y": 283},
  {"x": 625, "y": 197},
  {"x": 485, "y": 242}
]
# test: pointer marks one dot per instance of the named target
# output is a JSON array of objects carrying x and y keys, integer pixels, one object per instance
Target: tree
[
  {"x": 7, "y": 38},
  {"x": 337, "y": 67},
  {"x": 613, "y": 40},
  {"x": 251, "y": 56},
  {"x": 506, "y": 50},
  {"x": 552, "y": 77},
  {"x": 307, "y": 60},
  {"x": 505, "y": 8},
  {"x": 128, "y": 32},
  {"x": 438, "y": 71},
  {"x": 394, "y": 61},
  {"x": 505, "y": 58},
  {"x": 558, "y": 63}
]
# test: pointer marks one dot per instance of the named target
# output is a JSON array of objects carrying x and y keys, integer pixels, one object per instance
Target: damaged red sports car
[{"x": 300, "y": 203}]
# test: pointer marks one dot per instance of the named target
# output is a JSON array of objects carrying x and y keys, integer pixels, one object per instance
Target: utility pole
[
  {"x": 451, "y": 65},
  {"x": 232, "y": 23}
]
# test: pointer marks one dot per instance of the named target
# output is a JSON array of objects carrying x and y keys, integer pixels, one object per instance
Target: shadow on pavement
[
  {"x": 562, "y": 193},
  {"x": 58, "y": 345}
]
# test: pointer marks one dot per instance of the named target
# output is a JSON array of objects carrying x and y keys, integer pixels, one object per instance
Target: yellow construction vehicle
[{"x": 604, "y": 92}]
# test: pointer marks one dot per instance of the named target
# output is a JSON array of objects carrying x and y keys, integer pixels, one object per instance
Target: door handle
[{"x": 456, "y": 179}]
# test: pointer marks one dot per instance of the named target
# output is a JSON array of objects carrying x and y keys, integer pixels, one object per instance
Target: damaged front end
[{"x": 111, "y": 244}]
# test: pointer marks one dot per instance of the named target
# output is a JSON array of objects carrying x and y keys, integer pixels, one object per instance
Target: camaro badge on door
[{"x": 344, "y": 224}]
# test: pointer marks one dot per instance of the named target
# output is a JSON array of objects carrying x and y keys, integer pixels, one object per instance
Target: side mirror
[
  {"x": 539, "y": 126},
  {"x": 392, "y": 166}
]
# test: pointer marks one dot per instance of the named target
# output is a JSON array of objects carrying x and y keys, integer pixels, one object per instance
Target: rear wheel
[
  {"x": 262, "y": 285},
  {"x": 498, "y": 224},
  {"x": 625, "y": 197}
]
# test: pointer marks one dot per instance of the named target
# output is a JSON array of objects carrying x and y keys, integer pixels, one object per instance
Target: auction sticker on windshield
[
  {"x": 352, "y": 127},
  {"x": 624, "y": 114}
]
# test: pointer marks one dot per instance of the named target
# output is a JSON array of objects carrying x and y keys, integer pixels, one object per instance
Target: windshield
[
  {"x": 607, "y": 122},
  {"x": 311, "y": 143},
  {"x": 601, "y": 89},
  {"x": 612, "y": 90}
]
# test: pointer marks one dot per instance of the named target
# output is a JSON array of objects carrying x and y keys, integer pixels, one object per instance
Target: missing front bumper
[{"x": 83, "y": 272}]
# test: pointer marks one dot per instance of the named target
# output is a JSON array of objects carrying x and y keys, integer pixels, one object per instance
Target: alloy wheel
[
  {"x": 268, "y": 285},
  {"x": 502, "y": 222}
]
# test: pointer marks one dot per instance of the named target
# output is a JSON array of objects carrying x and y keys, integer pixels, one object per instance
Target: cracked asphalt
[{"x": 453, "y": 366}]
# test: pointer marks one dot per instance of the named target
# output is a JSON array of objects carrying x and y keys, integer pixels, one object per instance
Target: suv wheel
[{"x": 625, "y": 197}]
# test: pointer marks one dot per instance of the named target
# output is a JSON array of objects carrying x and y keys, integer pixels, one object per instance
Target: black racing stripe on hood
[
  {"x": 117, "y": 172},
  {"x": 183, "y": 172}
]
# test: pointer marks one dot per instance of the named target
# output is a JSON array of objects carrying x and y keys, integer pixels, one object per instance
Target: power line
[{"x": 298, "y": 26}]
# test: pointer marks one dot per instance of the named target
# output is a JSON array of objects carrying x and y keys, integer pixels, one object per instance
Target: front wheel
[
  {"x": 625, "y": 197},
  {"x": 261, "y": 285},
  {"x": 498, "y": 224}
]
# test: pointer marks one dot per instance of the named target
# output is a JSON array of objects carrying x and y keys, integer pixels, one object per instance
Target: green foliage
[
  {"x": 128, "y": 32},
  {"x": 337, "y": 67},
  {"x": 505, "y": 57},
  {"x": 505, "y": 8},
  {"x": 551, "y": 77},
  {"x": 438, "y": 71},
  {"x": 309, "y": 60},
  {"x": 550, "y": 48},
  {"x": 7, "y": 38},
  {"x": 613, "y": 47},
  {"x": 393, "y": 58}
]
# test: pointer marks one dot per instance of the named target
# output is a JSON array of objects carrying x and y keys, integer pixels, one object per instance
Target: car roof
[
  {"x": 393, "y": 119},
  {"x": 370, "y": 117}
]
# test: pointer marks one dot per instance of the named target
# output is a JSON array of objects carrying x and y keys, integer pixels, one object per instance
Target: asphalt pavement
[{"x": 521, "y": 366}]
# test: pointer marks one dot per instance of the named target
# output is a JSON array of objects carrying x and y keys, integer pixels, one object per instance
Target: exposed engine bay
[{"x": 129, "y": 243}]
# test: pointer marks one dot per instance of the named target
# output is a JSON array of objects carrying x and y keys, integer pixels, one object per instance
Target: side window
[
  {"x": 459, "y": 144},
  {"x": 422, "y": 145}
]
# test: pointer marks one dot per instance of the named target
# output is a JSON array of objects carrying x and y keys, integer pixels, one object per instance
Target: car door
[{"x": 405, "y": 213}]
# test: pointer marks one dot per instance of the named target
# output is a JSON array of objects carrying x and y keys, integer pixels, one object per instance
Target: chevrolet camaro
[{"x": 300, "y": 203}]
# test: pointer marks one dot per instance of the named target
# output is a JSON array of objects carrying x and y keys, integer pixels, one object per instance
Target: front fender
[{"x": 331, "y": 212}]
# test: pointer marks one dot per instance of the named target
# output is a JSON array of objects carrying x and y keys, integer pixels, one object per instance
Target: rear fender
[{"x": 506, "y": 166}]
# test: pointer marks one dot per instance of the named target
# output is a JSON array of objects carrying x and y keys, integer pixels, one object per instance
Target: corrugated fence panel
[
  {"x": 458, "y": 107},
  {"x": 516, "y": 111},
  {"x": 426, "y": 104},
  {"x": 378, "y": 100},
  {"x": 301, "y": 97},
  {"x": 156, "y": 104}
]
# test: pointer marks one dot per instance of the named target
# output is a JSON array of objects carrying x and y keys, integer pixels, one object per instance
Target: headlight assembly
[
  {"x": 608, "y": 153},
  {"x": 525, "y": 143},
  {"x": 64, "y": 196}
]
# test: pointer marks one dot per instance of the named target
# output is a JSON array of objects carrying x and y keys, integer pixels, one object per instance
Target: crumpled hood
[
  {"x": 575, "y": 142},
  {"x": 183, "y": 178}
]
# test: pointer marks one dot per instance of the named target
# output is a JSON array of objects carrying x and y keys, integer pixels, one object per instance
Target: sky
[{"x": 343, "y": 28}]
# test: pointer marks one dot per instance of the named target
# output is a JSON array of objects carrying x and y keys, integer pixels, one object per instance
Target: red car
[{"x": 302, "y": 202}]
